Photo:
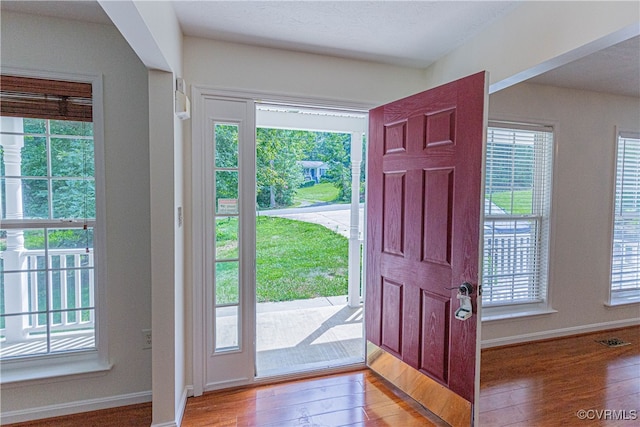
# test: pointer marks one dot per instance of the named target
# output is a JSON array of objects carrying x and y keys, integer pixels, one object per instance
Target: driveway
[{"x": 335, "y": 217}]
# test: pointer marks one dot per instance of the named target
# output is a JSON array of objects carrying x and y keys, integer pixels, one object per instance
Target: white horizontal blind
[
  {"x": 517, "y": 204},
  {"x": 625, "y": 262}
]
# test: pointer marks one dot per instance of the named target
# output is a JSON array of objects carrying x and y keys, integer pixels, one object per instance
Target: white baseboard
[
  {"x": 188, "y": 390},
  {"x": 69, "y": 408},
  {"x": 78, "y": 406},
  {"x": 167, "y": 424},
  {"x": 556, "y": 333},
  {"x": 182, "y": 405}
]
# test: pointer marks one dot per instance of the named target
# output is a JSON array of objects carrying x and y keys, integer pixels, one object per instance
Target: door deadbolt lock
[
  {"x": 465, "y": 310},
  {"x": 466, "y": 288}
]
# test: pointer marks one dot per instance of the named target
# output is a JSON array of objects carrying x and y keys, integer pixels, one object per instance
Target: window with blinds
[
  {"x": 517, "y": 204},
  {"x": 625, "y": 260}
]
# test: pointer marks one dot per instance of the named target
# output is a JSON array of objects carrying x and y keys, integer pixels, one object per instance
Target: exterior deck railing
[{"x": 58, "y": 284}]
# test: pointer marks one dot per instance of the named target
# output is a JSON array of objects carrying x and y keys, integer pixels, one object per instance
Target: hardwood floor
[
  {"x": 547, "y": 383},
  {"x": 533, "y": 385},
  {"x": 134, "y": 415},
  {"x": 354, "y": 399}
]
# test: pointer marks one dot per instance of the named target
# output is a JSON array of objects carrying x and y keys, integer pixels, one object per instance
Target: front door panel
[{"x": 424, "y": 207}]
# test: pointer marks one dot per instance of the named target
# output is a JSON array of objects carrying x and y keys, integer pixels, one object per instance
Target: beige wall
[
  {"x": 49, "y": 44},
  {"x": 582, "y": 206},
  {"x": 238, "y": 66}
]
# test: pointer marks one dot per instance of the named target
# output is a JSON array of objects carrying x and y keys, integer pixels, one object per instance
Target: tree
[
  {"x": 279, "y": 173},
  {"x": 334, "y": 149},
  {"x": 226, "y": 156},
  {"x": 363, "y": 170},
  {"x": 69, "y": 160},
  {"x": 510, "y": 167}
]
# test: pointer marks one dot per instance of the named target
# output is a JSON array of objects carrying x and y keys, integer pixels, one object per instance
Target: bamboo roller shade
[{"x": 45, "y": 99}]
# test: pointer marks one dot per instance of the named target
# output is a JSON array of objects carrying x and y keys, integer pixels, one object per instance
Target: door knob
[{"x": 465, "y": 289}]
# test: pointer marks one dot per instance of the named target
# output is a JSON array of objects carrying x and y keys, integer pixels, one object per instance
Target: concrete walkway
[
  {"x": 317, "y": 333},
  {"x": 335, "y": 217}
]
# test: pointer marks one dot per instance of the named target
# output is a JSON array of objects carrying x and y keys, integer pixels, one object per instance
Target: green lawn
[
  {"x": 295, "y": 260},
  {"x": 521, "y": 201},
  {"x": 319, "y": 193},
  {"x": 300, "y": 260}
]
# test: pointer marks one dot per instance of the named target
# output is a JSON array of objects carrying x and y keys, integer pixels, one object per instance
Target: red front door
[{"x": 424, "y": 206}]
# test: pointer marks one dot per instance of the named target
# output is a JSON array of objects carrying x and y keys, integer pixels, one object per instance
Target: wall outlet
[{"x": 146, "y": 339}]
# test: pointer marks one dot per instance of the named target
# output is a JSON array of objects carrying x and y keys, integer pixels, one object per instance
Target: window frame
[
  {"x": 37, "y": 368},
  {"x": 543, "y": 306},
  {"x": 632, "y": 296}
]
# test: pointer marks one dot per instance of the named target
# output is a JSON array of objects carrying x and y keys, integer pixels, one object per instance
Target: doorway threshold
[{"x": 314, "y": 369}]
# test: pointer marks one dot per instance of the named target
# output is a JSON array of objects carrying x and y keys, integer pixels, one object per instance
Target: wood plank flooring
[
  {"x": 547, "y": 383},
  {"x": 133, "y": 415},
  {"x": 533, "y": 385},
  {"x": 354, "y": 399}
]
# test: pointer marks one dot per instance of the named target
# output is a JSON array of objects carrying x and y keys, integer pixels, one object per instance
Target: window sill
[
  {"x": 493, "y": 316},
  {"x": 622, "y": 302},
  {"x": 45, "y": 368}
]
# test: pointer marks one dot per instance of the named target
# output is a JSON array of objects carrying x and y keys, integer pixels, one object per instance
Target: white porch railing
[
  {"x": 511, "y": 265},
  {"x": 625, "y": 263},
  {"x": 60, "y": 289}
]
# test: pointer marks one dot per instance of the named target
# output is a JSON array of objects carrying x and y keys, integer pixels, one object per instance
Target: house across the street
[{"x": 313, "y": 170}]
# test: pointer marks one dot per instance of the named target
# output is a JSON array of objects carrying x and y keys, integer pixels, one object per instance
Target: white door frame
[{"x": 198, "y": 243}]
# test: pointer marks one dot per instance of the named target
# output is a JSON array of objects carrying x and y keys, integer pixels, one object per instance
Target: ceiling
[
  {"x": 404, "y": 33},
  {"x": 615, "y": 70}
]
